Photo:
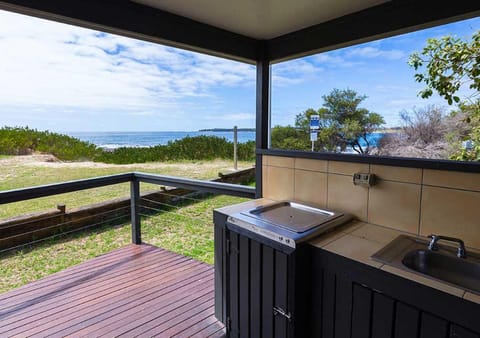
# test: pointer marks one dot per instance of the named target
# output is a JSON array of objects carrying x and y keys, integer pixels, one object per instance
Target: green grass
[
  {"x": 20, "y": 176},
  {"x": 27, "y": 265},
  {"x": 187, "y": 230}
]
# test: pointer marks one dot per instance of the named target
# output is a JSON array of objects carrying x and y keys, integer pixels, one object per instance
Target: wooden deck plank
[
  {"x": 91, "y": 302},
  {"x": 200, "y": 320},
  {"x": 174, "y": 317},
  {"x": 48, "y": 297},
  {"x": 136, "y": 290},
  {"x": 80, "y": 322},
  {"x": 151, "y": 317},
  {"x": 52, "y": 285},
  {"x": 96, "y": 310},
  {"x": 127, "y": 317},
  {"x": 75, "y": 271},
  {"x": 194, "y": 329},
  {"x": 104, "y": 271},
  {"x": 217, "y": 334},
  {"x": 213, "y": 330}
]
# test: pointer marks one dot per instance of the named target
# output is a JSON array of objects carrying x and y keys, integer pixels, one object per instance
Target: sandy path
[{"x": 50, "y": 161}]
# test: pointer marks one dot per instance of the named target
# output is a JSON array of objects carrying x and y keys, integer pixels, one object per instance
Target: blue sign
[{"x": 314, "y": 122}]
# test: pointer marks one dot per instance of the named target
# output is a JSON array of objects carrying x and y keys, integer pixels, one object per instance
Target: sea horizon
[{"x": 117, "y": 139}]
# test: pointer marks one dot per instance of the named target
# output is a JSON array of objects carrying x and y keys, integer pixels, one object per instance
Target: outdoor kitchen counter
[
  {"x": 359, "y": 241},
  {"x": 233, "y": 209}
]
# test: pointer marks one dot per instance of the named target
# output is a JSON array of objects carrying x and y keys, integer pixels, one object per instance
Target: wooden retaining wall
[{"x": 36, "y": 226}]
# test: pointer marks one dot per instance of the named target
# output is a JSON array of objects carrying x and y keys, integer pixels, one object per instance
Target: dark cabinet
[
  {"x": 355, "y": 300},
  {"x": 261, "y": 291},
  {"x": 264, "y": 289}
]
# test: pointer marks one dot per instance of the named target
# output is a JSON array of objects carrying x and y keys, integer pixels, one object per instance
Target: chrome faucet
[{"x": 461, "y": 252}]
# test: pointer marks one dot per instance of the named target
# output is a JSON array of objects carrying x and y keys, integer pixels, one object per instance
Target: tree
[
  {"x": 289, "y": 138},
  {"x": 467, "y": 133},
  {"x": 451, "y": 64},
  {"x": 342, "y": 122}
]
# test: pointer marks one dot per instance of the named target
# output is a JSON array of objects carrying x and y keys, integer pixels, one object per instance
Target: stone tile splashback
[{"x": 418, "y": 201}]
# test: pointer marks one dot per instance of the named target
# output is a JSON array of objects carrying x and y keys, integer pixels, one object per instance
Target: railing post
[
  {"x": 262, "y": 128},
  {"x": 135, "y": 208}
]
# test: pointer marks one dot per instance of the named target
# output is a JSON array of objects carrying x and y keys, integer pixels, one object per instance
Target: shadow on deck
[{"x": 138, "y": 290}]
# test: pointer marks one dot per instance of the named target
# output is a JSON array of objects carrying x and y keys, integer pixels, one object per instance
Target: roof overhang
[
  {"x": 262, "y": 20},
  {"x": 249, "y": 30}
]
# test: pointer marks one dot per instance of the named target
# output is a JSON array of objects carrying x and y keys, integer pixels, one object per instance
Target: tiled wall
[{"x": 418, "y": 201}]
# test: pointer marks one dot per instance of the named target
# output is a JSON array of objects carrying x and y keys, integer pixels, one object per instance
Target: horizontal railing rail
[
  {"x": 135, "y": 178},
  {"x": 23, "y": 194},
  {"x": 198, "y": 185}
]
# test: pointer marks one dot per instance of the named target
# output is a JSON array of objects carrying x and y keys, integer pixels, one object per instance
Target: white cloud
[
  {"x": 389, "y": 88},
  {"x": 231, "y": 117},
  {"x": 141, "y": 113},
  {"x": 47, "y": 65},
  {"x": 334, "y": 60},
  {"x": 374, "y": 52},
  {"x": 294, "y": 72}
]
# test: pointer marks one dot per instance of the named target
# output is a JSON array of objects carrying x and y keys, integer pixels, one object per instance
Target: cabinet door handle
[{"x": 279, "y": 311}]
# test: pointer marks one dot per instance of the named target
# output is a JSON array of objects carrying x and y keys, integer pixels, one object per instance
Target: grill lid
[{"x": 292, "y": 216}]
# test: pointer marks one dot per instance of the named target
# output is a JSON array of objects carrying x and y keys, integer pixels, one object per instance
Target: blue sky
[
  {"x": 65, "y": 78},
  {"x": 377, "y": 69}
]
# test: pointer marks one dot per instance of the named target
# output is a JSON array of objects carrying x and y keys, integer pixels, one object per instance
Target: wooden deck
[{"x": 138, "y": 290}]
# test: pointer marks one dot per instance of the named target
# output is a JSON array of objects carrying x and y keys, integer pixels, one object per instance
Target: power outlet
[{"x": 366, "y": 180}]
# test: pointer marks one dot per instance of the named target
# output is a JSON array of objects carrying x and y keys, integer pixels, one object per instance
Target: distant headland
[{"x": 227, "y": 129}]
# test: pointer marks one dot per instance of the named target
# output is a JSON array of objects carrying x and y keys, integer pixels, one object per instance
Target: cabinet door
[
  {"x": 232, "y": 281},
  {"x": 352, "y": 300},
  {"x": 257, "y": 283},
  {"x": 283, "y": 316}
]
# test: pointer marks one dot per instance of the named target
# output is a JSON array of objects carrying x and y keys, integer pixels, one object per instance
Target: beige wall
[{"x": 418, "y": 201}]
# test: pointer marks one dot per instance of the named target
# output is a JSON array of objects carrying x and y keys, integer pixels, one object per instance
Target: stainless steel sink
[
  {"x": 458, "y": 271},
  {"x": 412, "y": 254}
]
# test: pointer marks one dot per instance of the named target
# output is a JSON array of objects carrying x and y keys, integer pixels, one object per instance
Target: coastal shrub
[
  {"x": 424, "y": 125},
  {"x": 288, "y": 137},
  {"x": 423, "y": 135},
  {"x": 246, "y": 151},
  {"x": 188, "y": 148},
  {"x": 24, "y": 140}
]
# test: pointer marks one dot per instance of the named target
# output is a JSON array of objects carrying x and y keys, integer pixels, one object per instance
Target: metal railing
[{"x": 135, "y": 178}]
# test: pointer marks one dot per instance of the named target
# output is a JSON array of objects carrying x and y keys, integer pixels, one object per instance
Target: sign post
[
  {"x": 235, "y": 146},
  {"x": 314, "y": 126},
  {"x": 313, "y": 138}
]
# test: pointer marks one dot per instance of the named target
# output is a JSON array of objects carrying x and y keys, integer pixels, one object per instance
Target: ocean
[
  {"x": 112, "y": 140},
  {"x": 372, "y": 138}
]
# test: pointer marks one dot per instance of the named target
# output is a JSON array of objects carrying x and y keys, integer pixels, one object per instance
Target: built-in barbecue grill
[{"x": 263, "y": 274}]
